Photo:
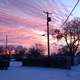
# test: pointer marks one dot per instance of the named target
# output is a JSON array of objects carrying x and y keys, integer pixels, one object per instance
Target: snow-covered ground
[{"x": 17, "y": 72}]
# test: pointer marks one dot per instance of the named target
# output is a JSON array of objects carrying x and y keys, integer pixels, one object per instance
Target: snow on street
[{"x": 17, "y": 72}]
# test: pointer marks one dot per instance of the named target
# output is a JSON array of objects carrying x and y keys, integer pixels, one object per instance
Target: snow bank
[{"x": 16, "y": 72}]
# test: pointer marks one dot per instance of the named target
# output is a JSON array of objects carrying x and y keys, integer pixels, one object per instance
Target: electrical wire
[{"x": 70, "y": 13}]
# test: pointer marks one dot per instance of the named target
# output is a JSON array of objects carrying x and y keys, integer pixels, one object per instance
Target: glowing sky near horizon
[{"x": 24, "y": 21}]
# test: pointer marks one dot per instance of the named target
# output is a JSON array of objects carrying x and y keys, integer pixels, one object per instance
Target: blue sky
[{"x": 71, "y": 3}]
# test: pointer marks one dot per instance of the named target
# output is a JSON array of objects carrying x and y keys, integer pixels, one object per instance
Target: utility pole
[
  {"x": 48, "y": 20},
  {"x": 6, "y": 46}
]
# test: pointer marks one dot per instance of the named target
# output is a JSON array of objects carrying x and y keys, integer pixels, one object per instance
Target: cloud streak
[{"x": 24, "y": 21}]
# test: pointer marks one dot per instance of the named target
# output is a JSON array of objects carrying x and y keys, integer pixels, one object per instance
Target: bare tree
[
  {"x": 71, "y": 34},
  {"x": 37, "y": 50}
]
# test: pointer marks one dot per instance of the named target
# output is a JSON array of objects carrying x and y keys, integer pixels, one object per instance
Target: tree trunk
[{"x": 72, "y": 58}]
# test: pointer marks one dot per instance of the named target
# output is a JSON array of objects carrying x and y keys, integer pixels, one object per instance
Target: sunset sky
[{"x": 24, "y": 21}]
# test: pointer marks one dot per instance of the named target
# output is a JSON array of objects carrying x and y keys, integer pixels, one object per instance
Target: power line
[{"x": 70, "y": 13}]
